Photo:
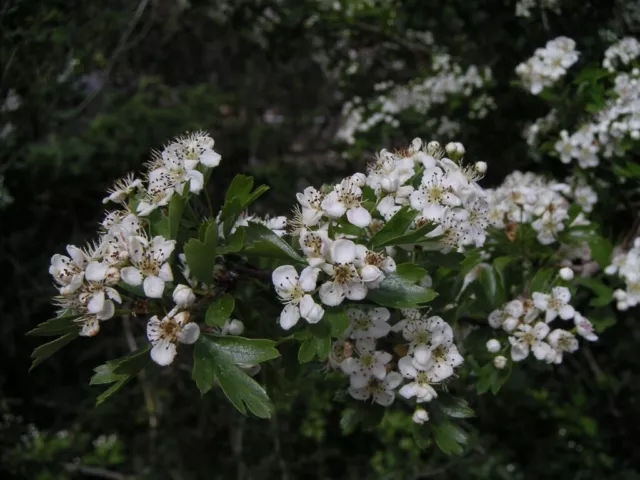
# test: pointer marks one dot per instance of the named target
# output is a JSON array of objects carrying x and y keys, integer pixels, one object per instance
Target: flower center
[
  {"x": 342, "y": 273},
  {"x": 169, "y": 330}
]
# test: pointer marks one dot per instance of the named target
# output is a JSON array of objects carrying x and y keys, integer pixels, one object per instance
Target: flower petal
[
  {"x": 163, "y": 353},
  {"x": 153, "y": 287}
]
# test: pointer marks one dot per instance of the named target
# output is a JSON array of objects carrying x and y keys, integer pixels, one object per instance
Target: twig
[
  {"x": 237, "y": 437},
  {"x": 116, "y": 53},
  {"x": 146, "y": 389},
  {"x": 94, "y": 472}
]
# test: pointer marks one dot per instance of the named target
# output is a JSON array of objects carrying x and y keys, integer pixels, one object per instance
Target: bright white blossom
[
  {"x": 548, "y": 64},
  {"x": 165, "y": 334},
  {"x": 294, "y": 291}
]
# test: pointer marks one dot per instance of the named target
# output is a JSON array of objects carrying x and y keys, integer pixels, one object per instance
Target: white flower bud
[
  {"x": 460, "y": 149},
  {"x": 360, "y": 179},
  {"x": 433, "y": 147},
  {"x": 481, "y": 167},
  {"x": 493, "y": 345},
  {"x": 420, "y": 416},
  {"x": 451, "y": 149},
  {"x": 233, "y": 327},
  {"x": 510, "y": 324},
  {"x": 183, "y": 296},
  {"x": 500, "y": 362},
  {"x": 566, "y": 274}
]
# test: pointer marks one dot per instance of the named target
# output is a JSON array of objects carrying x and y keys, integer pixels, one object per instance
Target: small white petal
[
  {"x": 153, "y": 287},
  {"x": 131, "y": 276},
  {"x": 163, "y": 353},
  {"x": 289, "y": 316},
  {"x": 359, "y": 217},
  {"x": 189, "y": 333},
  {"x": 96, "y": 271}
]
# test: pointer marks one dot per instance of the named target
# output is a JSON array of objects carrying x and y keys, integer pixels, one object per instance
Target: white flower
[
  {"x": 556, "y": 304},
  {"x": 444, "y": 358},
  {"x": 500, "y": 362},
  {"x": 311, "y": 202},
  {"x": 68, "y": 272},
  {"x": 368, "y": 324},
  {"x": 159, "y": 192},
  {"x": 420, "y": 387},
  {"x": 369, "y": 364},
  {"x": 420, "y": 416},
  {"x": 584, "y": 328},
  {"x": 528, "y": 338},
  {"x": 315, "y": 246},
  {"x": 434, "y": 195},
  {"x": 493, "y": 345},
  {"x": 122, "y": 189},
  {"x": 346, "y": 197},
  {"x": 382, "y": 392},
  {"x": 345, "y": 280},
  {"x": 166, "y": 333},
  {"x": 150, "y": 265},
  {"x": 560, "y": 341},
  {"x": 293, "y": 290},
  {"x": 183, "y": 296},
  {"x": 196, "y": 146},
  {"x": 426, "y": 335}
]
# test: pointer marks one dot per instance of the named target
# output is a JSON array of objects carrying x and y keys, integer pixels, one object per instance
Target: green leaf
[
  {"x": 220, "y": 310},
  {"x": 491, "y": 287},
  {"x": 201, "y": 254},
  {"x": 240, "y": 188},
  {"x": 262, "y": 242},
  {"x": 349, "y": 420},
  {"x": 233, "y": 243},
  {"x": 119, "y": 372},
  {"x": 338, "y": 320},
  {"x": 601, "y": 249},
  {"x": 307, "y": 350},
  {"x": 603, "y": 292},
  {"x": 411, "y": 271},
  {"x": 450, "y": 438},
  {"x": 395, "y": 227},
  {"x": 257, "y": 193},
  {"x": 420, "y": 435},
  {"x": 41, "y": 353},
  {"x": 542, "y": 280},
  {"x": 246, "y": 350},
  {"x": 176, "y": 210},
  {"x": 55, "y": 326},
  {"x": 455, "y": 407},
  {"x": 415, "y": 237},
  {"x": 230, "y": 213},
  {"x": 213, "y": 363},
  {"x": 396, "y": 291}
]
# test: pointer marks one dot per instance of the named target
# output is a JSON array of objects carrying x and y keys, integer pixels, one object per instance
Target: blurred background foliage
[{"x": 101, "y": 83}]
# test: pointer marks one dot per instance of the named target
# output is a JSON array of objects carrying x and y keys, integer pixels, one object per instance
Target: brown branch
[{"x": 95, "y": 472}]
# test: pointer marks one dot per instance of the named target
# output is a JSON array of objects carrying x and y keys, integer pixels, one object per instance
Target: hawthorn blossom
[
  {"x": 561, "y": 341},
  {"x": 346, "y": 197},
  {"x": 164, "y": 334},
  {"x": 381, "y": 392},
  {"x": 369, "y": 364},
  {"x": 345, "y": 280},
  {"x": 294, "y": 292},
  {"x": 68, "y": 272},
  {"x": 122, "y": 189},
  {"x": 420, "y": 387},
  {"x": 584, "y": 327},
  {"x": 426, "y": 335},
  {"x": 556, "y": 304},
  {"x": 311, "y": 202},
  {"x": 368, "y": 324},
  {"x": 149, "y": 264},
  {"x": 527, "y": 338}
]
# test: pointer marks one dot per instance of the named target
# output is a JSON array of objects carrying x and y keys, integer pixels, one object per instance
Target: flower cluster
[
  {"x": 334, "y": 224},
  {"x": 627, "y": 266},
  {"x": 527, "y": 323},
  {"x": 425, "y": 356},
  {"x": 524, "y": 7},
  {"x": 531, "y": 199},
  {"x": 126, "y": 256},
  {"x": 548, "y": 64},
  {"x": 604, "y": 135},
  {"x": 624, "y": 52},
  {"x": 449, "y": 80}
]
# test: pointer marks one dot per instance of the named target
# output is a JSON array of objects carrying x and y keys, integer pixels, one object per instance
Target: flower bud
[
  {"x": 493, "y": 345},
  {"x": 360, "y": 179},
  {"x": 183, "y": 296},
  {"x": 481, "y": 167},
  {"x": 510, "y": 324},
  {"x": 451, "y": 150},
  {"x": 500, "y": 362},
  {"x": 420, "y": 416},
  {"x": 233, "y": 327},
  {"x": 566, "y": 274}
]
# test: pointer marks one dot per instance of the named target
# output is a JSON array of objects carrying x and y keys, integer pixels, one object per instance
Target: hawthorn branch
[{"x": 95, "y": 472}]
